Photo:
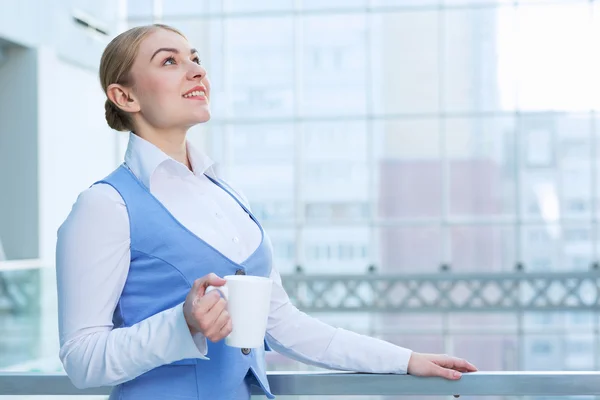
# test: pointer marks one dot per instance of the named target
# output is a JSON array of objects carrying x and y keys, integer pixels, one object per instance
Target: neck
[{"x": 171, "y": 142}]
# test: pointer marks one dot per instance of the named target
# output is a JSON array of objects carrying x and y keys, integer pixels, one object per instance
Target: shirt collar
[{"x": 144, "y": 158}]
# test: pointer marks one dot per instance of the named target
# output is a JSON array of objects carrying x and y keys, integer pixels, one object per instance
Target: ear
[{"x": 123, "y": 98}]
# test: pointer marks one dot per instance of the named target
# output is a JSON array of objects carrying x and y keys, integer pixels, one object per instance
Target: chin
[{"x": 200, "y": 118}]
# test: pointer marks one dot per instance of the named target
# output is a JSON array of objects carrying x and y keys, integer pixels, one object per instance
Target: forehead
[{"x": 162, "y": 38}]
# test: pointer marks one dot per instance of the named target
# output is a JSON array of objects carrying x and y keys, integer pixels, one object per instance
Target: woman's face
[{"x": 169, "y": 84}]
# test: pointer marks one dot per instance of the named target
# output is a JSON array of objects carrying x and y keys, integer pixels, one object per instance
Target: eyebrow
[{"x": 171, "y": 50}]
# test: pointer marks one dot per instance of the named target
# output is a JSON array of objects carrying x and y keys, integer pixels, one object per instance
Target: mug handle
[{"x": 223, "y": 289}]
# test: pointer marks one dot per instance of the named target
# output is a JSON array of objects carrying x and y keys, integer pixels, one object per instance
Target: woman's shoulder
[
  {"x": 98, "y": 212},
  {"x": 98, "y": 195},
  {"x": 100, "y": 202}
]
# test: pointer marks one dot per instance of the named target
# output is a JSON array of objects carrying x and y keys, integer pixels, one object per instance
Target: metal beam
[{"x": 556, "y": 383}]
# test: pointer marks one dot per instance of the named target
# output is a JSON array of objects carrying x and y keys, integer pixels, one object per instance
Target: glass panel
[
  {"x": 185, "y": 9},
  {"x": 284, "y": 248},
  {"x": 483, "y": 248},
  {"x": 403, "y": 323},
  {"x": 20, "y": 323},
  {"x": 413, "y": 249},
  {"x": 332, "y": 4},
  {"x": 556, "y": 166},
  {"x": 541, "y": 247},
  {"x": 260, "y": 67},
  {"x": 553, "y": 248},
  {"x": 577, "y": 249},
  {"x": 578, "y": 348},
  {"x": 478, "y": 59},
  {"x": 490, "y": 352},
  {"x": 595, "y": 56},
  {"x": 482, "y": 166},
  {"x": 408, "y": 169},
  {"x": 395, "y": 4},
  {"x": 262, "y": 168},
  {"x": 336, "y": 250},
  {"x": 140, "y": 8},
  {"x": 554, "y": 65},
  {"x": 420, "y": 343},
  {"x": 596, "y": 157},
  {"x": 575, "y": 159},
  {"x": 333, "y": 65},
  {"x": 335, "y": 173},
  {"x": 542, "y": 3},
  {"x": 543, "y": 353},
  {"x": 258, "y": 5},
  {"x": 476, "y": 2},
  {"x": 405, "y": 62},
  {"x": 481, "y": 323},
  {"x": 539, "y": 181}
]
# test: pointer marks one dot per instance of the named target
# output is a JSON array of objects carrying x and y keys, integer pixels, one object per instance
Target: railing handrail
[
  {"x": 14, "y": 265},
  {"x": 497, "y": 383}
]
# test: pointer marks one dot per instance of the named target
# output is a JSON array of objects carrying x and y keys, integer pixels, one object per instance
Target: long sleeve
[
  {"x": 92, "y": 261},
  {"x": 308, "y": 340}
]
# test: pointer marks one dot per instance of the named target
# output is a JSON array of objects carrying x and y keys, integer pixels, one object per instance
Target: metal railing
[
  {"x": 446, "y": 292},
  {"x": 510, "y": 383},
  {"x": 440, "y": 292}
]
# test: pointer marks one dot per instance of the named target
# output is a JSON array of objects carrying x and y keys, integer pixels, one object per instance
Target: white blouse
[{"x": 92, "y": 261}]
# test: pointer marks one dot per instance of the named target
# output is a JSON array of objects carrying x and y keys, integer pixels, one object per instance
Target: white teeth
[{"x": 195, "y": 93}]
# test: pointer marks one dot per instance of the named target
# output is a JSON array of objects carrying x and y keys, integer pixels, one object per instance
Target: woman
[{"x": 140, "y": 247}]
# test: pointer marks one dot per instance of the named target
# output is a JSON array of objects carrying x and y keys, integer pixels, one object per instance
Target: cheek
[{"x": 157, "y": 92}]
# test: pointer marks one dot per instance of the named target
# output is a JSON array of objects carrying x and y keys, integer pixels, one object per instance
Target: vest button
[
  {"x": 245, "y": 351},
  {"x": 240, "y": 272}
]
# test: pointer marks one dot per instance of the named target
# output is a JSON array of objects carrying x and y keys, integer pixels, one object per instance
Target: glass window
[
  {"x": 486, "y": 248},
  {"x": 554, "y": 66},
  {"x": 481, "y": 166},
  {"x": 408, "y": 168},
  {"x": 260, "y": 67},
  {"x": 477, "y": 60},
  {"x": 334, "y": 65},
  {"x": 405, "y": 62}
]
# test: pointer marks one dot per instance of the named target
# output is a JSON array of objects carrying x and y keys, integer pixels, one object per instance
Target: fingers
[
  {"x": 439, "y": 365},
  {"x": 227, "y": 329},
  {"x": 221, "y": 327},
  {"x": 209, "y": 280},
  {"x": 445, "y": 372},
  {"x": 207, "y": 320},
  {"x": 202, "y": 311},
  {"x": 455, "y": 363},
  {"x": 202, "y": 305}
]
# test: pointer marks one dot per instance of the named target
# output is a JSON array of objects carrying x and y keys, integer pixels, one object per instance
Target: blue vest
[{"x": 166, "y": 258}]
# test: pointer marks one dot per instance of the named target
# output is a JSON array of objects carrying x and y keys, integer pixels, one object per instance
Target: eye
[
  {"x": 169, "y": 61},
  {"x": 197, "y": 60}
]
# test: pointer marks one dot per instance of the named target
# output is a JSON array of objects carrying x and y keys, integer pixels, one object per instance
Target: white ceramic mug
[{"x": 248, "y": 301}]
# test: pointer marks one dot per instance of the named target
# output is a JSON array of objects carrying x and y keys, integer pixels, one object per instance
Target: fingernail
[{"x": 456, "y": 374}]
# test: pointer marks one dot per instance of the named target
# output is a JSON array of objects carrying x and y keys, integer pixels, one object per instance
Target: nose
[{"x": 196, "y": 72}]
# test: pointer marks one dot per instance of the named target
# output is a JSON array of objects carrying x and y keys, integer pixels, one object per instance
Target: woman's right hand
[{"x": 207, "y": 313}]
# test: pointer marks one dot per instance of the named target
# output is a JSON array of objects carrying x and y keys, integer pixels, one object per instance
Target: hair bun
[{"x": 115, "y": 117}]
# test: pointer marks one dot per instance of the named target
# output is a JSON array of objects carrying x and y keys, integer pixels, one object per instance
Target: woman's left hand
[{"x": 440, "y": 365}]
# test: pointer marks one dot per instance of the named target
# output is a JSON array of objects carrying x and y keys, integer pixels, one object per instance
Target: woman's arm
[
  {"x": 306, "y": 339},
  {"x": 92, "y": 262}
]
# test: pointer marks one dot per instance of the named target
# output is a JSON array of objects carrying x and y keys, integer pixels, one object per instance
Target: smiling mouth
[{"x": 196, "y": 94}]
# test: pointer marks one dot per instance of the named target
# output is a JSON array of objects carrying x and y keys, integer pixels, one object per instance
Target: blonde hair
[{"x": 115, "y": 66}]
